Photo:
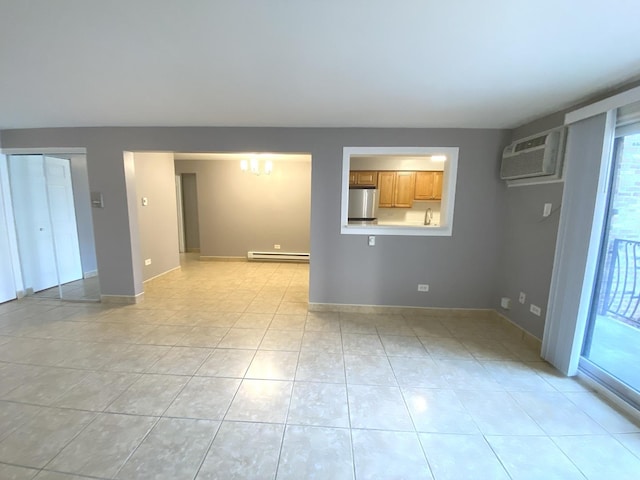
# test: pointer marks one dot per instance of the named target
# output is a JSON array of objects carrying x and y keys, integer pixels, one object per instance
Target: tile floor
[
  {"x": 85, "y": 290},
  {"x": 222, "y": 373}
]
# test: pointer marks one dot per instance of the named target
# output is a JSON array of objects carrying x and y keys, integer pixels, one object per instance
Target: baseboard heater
[{"x": 278, "y": 256}]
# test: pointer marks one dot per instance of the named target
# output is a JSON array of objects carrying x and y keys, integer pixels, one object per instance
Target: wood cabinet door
[
  {"x": 437, "y": 185},
  {"x": 352, "y": 178},
  {"x": 424, "y": 185},
  {"x": 369, "y": 179},
  {"x": 386, "y": 187},
  {"x": 405, "y": 189}
]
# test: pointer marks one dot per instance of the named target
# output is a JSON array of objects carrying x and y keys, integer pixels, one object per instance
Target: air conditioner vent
[{"x": 536, "y": 156}]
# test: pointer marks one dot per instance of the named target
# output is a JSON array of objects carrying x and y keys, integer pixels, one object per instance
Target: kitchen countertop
[
  {"x": 389, "y": 223},
  {"x": 403, "y": 224}
]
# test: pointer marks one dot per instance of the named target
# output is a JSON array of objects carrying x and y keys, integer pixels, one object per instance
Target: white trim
[
  {"x": 122, "y": 299},
  {"x": 448, "y": 192},
  {"x": 219, "y": 258},
  {"x": 90, "y": 274},
  {"x": 595, "y": 240},
  {"x": 162, "y": 274},
  {"x": 603, "y": 106},
  {"x": 477, "y": 313},
  {"x": 525, "y": 182}
]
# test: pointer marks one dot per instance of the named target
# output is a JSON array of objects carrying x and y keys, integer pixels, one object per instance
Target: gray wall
[
  {"x": 460, "y": 268},
  {"x": 82, "y": 203},
  {"x": 239, "y": 211},
  {"x": 528, "y": 241},
  {"x": 158, "y": 221},
  {"x": 190, "y": 212}
]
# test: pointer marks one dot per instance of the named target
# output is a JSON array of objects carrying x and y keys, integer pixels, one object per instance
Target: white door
[
  {"x": 7, "y": 280},
  {"x": 63, "y": 218},
  {"x": 33, "y": 225}
]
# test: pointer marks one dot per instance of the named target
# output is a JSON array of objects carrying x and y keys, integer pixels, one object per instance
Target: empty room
[{"x": 319, "y": 240}]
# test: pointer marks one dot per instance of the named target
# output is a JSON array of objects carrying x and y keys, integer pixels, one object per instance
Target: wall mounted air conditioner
[{"x": 532, "y": 157}]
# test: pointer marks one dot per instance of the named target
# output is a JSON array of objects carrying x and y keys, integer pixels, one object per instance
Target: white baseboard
[
  {"x": 210, "y": 258},
  {"x": 441, "y": 312},
  {"x": 90, "y": 274},
  {"x": 527, "y": 337},
  {"x": 122, "y": 299},
  {"x": 162, "y": 274}
]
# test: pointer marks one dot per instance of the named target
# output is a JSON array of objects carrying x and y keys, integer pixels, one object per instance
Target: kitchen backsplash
[{"x": 411, "y": 216}]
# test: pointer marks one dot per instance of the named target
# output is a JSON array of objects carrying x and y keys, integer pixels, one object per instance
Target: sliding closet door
[
  {"x": 63, "y": 218},
  {"x": 33, "y": 224},
  {"x": 7, "y": 279}
]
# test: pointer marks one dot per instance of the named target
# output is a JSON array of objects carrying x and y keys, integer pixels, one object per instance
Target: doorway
[
  {"x": 191, "y": 226},
  {"x": 47, "y": 231},
  {"x": 611, "y": 350}
]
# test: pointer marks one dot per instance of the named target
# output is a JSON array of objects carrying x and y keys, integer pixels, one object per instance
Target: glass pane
[{"x": 613, "y": 338}]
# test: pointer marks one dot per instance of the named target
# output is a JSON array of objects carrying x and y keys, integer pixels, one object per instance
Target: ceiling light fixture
[
  {"x": 438, "y": 158},
  {"x": 253, "y": 165}
]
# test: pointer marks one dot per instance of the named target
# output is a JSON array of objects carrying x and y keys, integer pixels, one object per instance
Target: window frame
[{"x": 450, "y": 174}]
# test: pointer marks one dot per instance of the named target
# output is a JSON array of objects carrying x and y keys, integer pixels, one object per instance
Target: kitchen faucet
[{"x": 428, "y": 215}]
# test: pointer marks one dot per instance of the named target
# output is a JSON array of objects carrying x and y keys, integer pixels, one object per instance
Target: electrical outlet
[
  {"x": 372, "y": 241},
  {"x": 423, "y": 287},
  {"x": 145, "y": 201},
  {"x": 547, "y": 210},
  {"x": 276, "y": 247},
  {"x": 505, "y": 303},
  {"x": 535, "y": 309},
  {"x": 147, "y": 261},
  {"x": 522, "y": 298}
]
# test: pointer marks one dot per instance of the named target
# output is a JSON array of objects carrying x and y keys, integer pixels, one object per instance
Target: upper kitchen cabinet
[
  {"x": 428, "y": 185},
  {"x": 396, "y": 189},
  {"x": 363, "y": 178}
]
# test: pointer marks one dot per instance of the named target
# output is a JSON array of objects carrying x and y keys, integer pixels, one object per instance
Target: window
[{"x": 398, "y": 190}]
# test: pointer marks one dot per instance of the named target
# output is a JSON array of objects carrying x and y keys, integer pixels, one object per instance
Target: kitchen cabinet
[
  {"x": 428, "y": 186},
  {"x": 363, "y": 178},
  {"x": 397, "y": 189}
]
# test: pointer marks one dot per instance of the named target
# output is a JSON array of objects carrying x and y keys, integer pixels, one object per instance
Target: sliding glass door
[{"x": 611, "y": 351}]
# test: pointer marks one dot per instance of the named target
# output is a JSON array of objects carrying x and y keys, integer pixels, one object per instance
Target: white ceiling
[{"x": 333, "y": 63}]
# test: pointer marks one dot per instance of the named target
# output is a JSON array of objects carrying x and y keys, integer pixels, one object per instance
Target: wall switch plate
[
  {"x": 522, "y": 298},
  {"x": 276, "y": 246},
  {"x": 145, "y": 201},
  {"x": 372, "y": 240},
  {"x": 423, "y": 287},
  {"x": 547, "y": 210},
  {"x": 505, "y": 303},
  {"x": 535, "y": 309},
  {"x": 147, "y": 262},
  {"x": 96, "y": 200}
]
